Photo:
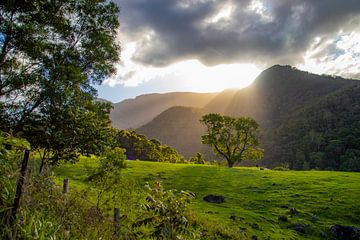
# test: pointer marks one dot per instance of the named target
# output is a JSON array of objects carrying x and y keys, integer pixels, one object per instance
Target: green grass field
[{"x": 254, "y": 198}]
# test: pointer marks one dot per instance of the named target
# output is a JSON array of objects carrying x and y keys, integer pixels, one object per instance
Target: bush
[
  {"x": 198, "y": 158},
  {"x": 165, "y": 214}
]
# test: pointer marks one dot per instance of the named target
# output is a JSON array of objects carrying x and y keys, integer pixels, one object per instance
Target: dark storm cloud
[{"x": 178, "y": 30}]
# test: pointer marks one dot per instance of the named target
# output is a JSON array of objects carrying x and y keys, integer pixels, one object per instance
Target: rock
[
  {"x": 345, "y": 232},
  {"x": 283, "y": 218},
  {"x": 203, "y": 234},
  {"x": 314, "y": 218},
  {"x": 323, "y": 235},
  {"x": 233, "y": 217},
  {"x": 300, "y": 228},
  {"x": 255, "y": 226},
  {"x": 293, "y": 211},
  {"x": 214, "y": 198}
]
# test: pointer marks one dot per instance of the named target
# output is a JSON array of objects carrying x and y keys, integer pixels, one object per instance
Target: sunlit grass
[{"x": 255, "y": 198}]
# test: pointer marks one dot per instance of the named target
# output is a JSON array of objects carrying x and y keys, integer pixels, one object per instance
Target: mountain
[
  {"x": 324, "y": 135},
  {"x": 274, "y": 99},
  {"x": 178, "y": 126},
  {"x": 133, "y": 113},
  {"x": 280, "y": 90},
  {"x": 221, "y": 101}
]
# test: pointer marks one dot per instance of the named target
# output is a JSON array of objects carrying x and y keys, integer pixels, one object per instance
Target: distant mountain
[
  {"x": 133, "y": 113},
  {"x": 221, "y": 102},
  {"x": 274, "y": 99},
  {"x": 177, "y": 127}
]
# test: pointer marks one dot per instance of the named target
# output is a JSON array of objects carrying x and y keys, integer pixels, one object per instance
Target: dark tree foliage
[
  {"x": 138, "y": 146},
  {"x": 51, "y": 53},
  {"x": 325, "y": 135}
]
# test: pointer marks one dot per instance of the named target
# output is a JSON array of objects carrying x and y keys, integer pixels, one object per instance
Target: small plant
[
  {"x": 165, "y": 213},
  {"x": 107, "y": 175}
]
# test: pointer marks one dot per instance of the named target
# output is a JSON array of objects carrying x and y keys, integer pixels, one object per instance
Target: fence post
[
  {"x": 117, "y": 223},
  {"x": 19, "y": 187},
  {"x": 66, "y": 185}
]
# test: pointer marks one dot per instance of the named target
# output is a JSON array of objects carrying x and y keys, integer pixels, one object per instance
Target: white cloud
[
  {"x": 194, "y": 75},
  {"x": 339, "y": 55}
]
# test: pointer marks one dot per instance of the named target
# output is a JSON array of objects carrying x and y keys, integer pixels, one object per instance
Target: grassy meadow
[{"x": 255, "y": 198}]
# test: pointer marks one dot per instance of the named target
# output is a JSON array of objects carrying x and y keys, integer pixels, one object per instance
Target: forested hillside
[{"x": 282, "y": 97}]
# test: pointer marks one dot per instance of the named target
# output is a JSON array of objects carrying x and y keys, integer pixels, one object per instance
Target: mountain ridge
[
  {"x": 133, "y": 113},
  {"x": 275, "y": 94}
]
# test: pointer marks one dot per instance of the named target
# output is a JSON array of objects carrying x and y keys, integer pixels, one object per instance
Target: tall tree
[
  {"x": 235, "y": 139},
  {"x": 52, "y": 53}
]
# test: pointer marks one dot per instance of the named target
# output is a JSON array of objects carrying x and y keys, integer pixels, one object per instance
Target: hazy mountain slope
[
  {"x": 133, "y": 113},
  {"x": 220, "y": 103},
  {"x": 178, "y": 127},
  {"x": 272, "y": 99}
]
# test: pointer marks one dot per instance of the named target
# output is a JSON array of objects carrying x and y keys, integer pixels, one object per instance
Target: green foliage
[
  {"x": 82, "y": 128},
  {"x": 47, "y": 213},
  {"x": 139, "y": 147},
  {"x": 106, "y": 177},
  {"x": 51, "y": 55},
  {"x": 11, "y": 151},
  {"x": 165, "y": 213},
  {"x": 235, "y": 139},
  {"x": 323, "y": 136},
  {"x": 322, "y": 198},
  {"x": 198, "y": 159}
]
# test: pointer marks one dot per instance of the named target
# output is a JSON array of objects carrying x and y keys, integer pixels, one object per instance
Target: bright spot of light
[{"x": 191, "y": 75}]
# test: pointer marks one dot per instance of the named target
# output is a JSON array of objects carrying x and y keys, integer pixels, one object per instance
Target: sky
[{"x": 212, "y": 45}]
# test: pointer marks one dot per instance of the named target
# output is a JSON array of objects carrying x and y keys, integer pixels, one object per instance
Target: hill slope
[
  {"x": 273, "y": 99},
  {"x": 133, "y": 113},
  {"x": 254, "y": 199},
  {"x": 176, "y": 127}
]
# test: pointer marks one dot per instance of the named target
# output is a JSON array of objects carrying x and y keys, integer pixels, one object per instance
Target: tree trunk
[
  {"x": 19, "y": 187},
  {"x": 230, "y": 164}
]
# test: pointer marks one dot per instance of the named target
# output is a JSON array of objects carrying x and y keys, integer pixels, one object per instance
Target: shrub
[{"x": 165, "y": 214}]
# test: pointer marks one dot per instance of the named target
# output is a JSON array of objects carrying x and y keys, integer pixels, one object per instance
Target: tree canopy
[
  {"x": 138, "y": 146},
  {"x": 235, "y": 139},
  {"x": 52, "y": 53}
]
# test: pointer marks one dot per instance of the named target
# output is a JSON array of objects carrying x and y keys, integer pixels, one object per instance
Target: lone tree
[{"x": 235, "y": 139}]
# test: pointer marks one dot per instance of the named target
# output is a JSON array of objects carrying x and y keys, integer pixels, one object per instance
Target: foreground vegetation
[{"x": 257, "y": 202}]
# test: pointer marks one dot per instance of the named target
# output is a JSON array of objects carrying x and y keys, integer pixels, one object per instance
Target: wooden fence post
[
  {"x": 66, "y": 185},
  {"x": 19, "y": 187},
  {"x": 117, "y": 223}
]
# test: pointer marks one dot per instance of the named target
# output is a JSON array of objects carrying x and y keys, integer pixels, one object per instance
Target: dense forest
[{"x": 323, "y": 136}]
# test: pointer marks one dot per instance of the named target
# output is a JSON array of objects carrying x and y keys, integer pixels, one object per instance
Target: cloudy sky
[{"x": 210, "y": 45}]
